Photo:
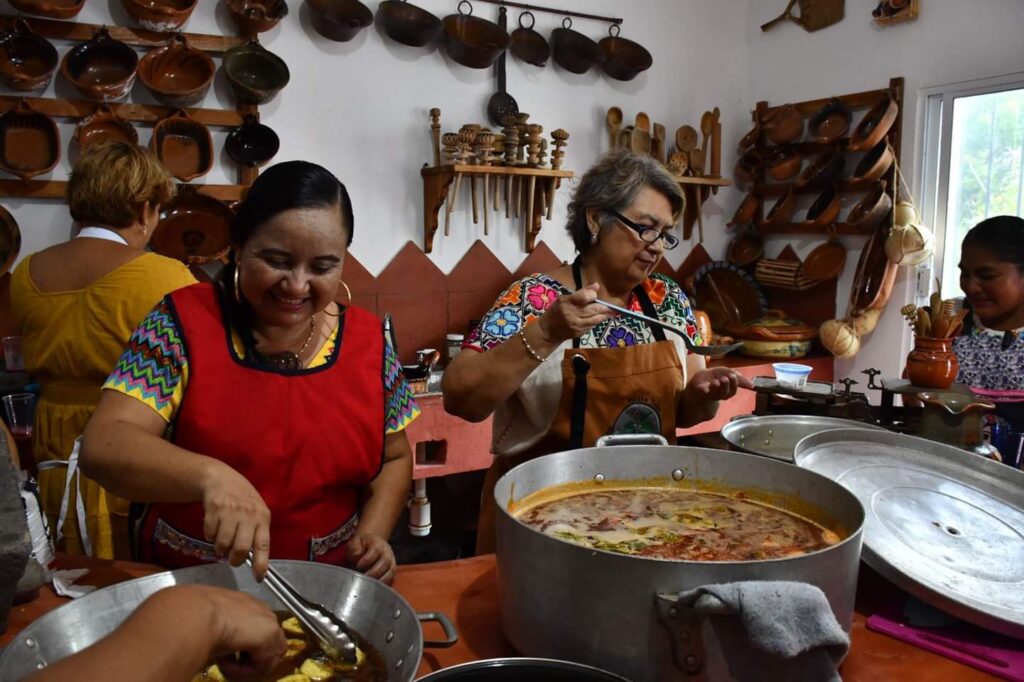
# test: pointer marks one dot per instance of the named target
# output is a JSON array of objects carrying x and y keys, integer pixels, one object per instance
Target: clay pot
[
  {"x": 932, "y": 363},
  {"x": 339, "y": 20},
  {"x": 825, "y": 261},
  {"x": 177, "y": 74},
  {"x": 783, "y": 208},
  {"x": 783, "y": 163},
  {"x": 871, "y": 209},
  {"x": 102, "y": 68},
  {"x": 825, "y": 208},
  {"x": 10, "y": 240},
  {"x": 252, "y": 143},
  {"x": 874, "y": 126},
  {"x": 254, "y": 73},
  {"x": 257, "y": 16},
  {"x": 574, "y": 51},
  {"x": 408, "y": 24},
  {"x": 54, "y": 9},
  {"x": 875, "y": 163},
  {"x": 745, "y": 249},
  {"x": 474, "y": 42},
  {"x": 745, "y": 213},
  {"x": 161, "y": 16},
  {"x": 823, "y": 171},
  {"x": 29, "y": 142},
  {"x": 27, "y": 61},
  {"x": 830, "y": 122},
  {"x": 748, "y": 167},
  {"x": 750, "y": 140},
  {"x": 102, "y": 125},
  {"x": 623, "y": 59},
  {"x": 193, "y": 228},
  {"x": 183, "y": 145},
  {"x": 783, "y": 124}
]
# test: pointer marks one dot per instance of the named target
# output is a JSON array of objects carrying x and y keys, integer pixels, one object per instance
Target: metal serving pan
[{"x": 776, "y": 436}]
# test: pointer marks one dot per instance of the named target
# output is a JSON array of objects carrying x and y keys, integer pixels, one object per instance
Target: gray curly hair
[{"x": 612, "y": 184}]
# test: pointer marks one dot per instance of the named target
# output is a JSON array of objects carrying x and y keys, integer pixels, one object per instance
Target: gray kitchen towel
[{"x": 773, "y": 630}]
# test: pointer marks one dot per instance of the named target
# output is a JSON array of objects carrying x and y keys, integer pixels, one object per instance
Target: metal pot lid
[
  {"x": 943, "y": 524},
  {"x": 777, "y": 435}
]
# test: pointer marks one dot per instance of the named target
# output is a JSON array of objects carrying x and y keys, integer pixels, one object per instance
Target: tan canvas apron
[{"x": 634, "y": 389}]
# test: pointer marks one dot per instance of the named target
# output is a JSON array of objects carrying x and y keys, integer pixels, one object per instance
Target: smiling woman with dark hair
[{"x": 283, "y": 410}]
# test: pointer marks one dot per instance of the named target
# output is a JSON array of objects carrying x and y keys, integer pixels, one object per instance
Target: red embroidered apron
[{"x": 307, "y": 440}]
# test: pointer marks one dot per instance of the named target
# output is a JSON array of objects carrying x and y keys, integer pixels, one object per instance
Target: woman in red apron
[
  {"x": 258, "y": 413},
  {"x": 557, "y": 370}
]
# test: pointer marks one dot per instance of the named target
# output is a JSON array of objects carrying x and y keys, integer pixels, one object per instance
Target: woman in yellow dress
[{"x": 76, "y": 305}]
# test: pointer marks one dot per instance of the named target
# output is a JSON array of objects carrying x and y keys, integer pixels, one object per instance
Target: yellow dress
[{"x": 71, "y": 340}]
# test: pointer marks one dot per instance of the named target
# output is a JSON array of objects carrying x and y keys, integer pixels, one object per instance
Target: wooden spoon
[
  {"x": 640, "y": 141},
  {"x": 643, "y": 121},
  {"x": 686, "y": 142},
  {"x": 613, "y": 120},
  {"x": 658, "y": 144},
  {"x": 707, "y": 127}
]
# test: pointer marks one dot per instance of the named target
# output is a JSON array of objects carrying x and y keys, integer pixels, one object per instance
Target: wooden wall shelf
[
  {"x": 57, "y": 189},
  {"x": 703, "y": 181},
  {"x": 764, "y": 190},
  {"x": 437, "y": 181},
  {"x": 140, "y": 113},
  {"x": 806, "y": 228},
  {"x": 54, "y": 29}
]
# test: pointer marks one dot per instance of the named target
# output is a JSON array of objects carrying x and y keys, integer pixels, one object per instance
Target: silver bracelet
[{"x": 526, "y": 345}]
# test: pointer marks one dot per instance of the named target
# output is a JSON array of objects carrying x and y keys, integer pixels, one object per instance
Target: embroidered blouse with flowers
[
  {"x": 523, "y": 420},
  {"x": 992, "y": 364}
]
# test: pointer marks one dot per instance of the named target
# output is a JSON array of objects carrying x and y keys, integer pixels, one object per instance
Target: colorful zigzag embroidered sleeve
[{"x": 399, "y": 404}]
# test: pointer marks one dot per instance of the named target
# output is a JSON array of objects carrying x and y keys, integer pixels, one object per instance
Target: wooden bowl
[
  {"x": 102, "y": 68},
  {"x": 745, "y": 213},
  {"x": 252, "y": 143},
  {"x": 29, "y": 142},
  {"x": 339, "y": 20},
  {"x": 871, "y": 209},
  {"x": 574, "y": 51},
  {"x": 102, "y": 125},
  {"x": 783, "y": 124},
  {"x": 27, "y": 61},
  {"x": 408, "y": 24},
  {"x": 783, "y": 208},
  {"x": 257, "y": 16},
  {"x": 875, "y": 163},
  {"x": 825, "y": 208},
  {"x": 623, "y": 59},
  {"x": 183, "y": 145},
  {"x": 254, "y": 73},
  {"x": 748, "y": 167},
  {"x": 177, "y": 74},
  {"x": 875, "y": 125},
  {"x": 783, "y": 163},
  {"x": 161, "y": 16},
  {"x": 54, "y": 9},
  {"x": 830, "y": 122},
  {"x": 10, "y": 240},
  {"x": 823, "y": 171},
  {"x": 473, "y": 42},
  {"x": 193, "y": 228}
]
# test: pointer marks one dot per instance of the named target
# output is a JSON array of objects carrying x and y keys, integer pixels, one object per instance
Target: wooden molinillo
[{"x": 516, "y": 157}]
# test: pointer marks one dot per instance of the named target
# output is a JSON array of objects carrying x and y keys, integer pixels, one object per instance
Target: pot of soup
[
  {"x": 594, "y": 547},
  {"x": 391, "y": 640}
]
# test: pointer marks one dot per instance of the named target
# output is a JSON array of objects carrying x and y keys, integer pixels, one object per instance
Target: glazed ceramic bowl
[
  {"x": 408, "y": 24},
  {"x": 748, "y": 167},
  {"x": 750, "y": 140},
  {"x": 339, "y": 20},
  {"x": 783, "y": 124},
  {"x": 825, "y": 209},
  {"x": 29, "y": 142},
  {"x": 473, "y": 42},
  {"x": 193, "y": 228},
  {"x": 574, "y": 51},
  {"x": 623, "y": 59},
  {"x": 823, "y": 171},
  {"x": 254, "y": 73},
  {"x": 830, "y": 122},
  {"x": 161, "y": 16},
  {"x": 177, "y": 74},
  {"x": 875, "y": 163},
  {"x": 871, "y": 209},
  {"x": 252, "y": 143},
  {"x": 783, "y": 163},
  {"x": 875, "y": 125},
  {"x": 746, "y": 211},
  {"x": 102, "y": 125},
  {"x": 257, "y": 16},
  {"x": 54, "y": 9},
  {"x": 783, "y": 208},
  {"x": 27, "y": 61},
  {"x": 183, "y": 145},
  {"x": 102, "y": 68},
  {"x": 10, "y": 240}
]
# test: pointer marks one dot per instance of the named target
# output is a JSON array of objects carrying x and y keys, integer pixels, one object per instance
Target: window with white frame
[{"x": 973, "y": 164}]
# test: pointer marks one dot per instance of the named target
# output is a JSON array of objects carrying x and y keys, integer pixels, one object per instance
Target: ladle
[
  {"x": 721, "y": 349},
  {"x": 337, "y": 639}
]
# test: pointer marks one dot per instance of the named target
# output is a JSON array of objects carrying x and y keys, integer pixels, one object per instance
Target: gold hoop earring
[
  {"x": 238, "y": 291},
  {"x": 348, "y": 293}
]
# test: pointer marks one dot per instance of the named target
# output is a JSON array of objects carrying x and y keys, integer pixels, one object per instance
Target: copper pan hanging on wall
[
  {"x": 623, "y": 59},
  {"x": 472, "y": 41},
  {"x": 529, "y": 45},
  {"x": 408, "y": 24},
  {"x": 574, "y": 51}
]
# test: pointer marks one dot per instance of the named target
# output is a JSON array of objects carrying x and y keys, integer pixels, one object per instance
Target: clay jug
[{"x": 932, "y": 363}]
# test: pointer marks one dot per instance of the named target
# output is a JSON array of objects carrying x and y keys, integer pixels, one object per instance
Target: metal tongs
[
  {"x": 721, "y": 349},
  {"x": 337, "y": 639}
]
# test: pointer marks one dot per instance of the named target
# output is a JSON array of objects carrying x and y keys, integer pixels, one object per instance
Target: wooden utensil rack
[
  {"x": 857, "y": 102},
  {"x": 437, "y": 180},
  {"x": 139, "y": 113}
]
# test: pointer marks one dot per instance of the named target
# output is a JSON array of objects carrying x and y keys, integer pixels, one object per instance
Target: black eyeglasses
[{"x": 648, "y": 234}]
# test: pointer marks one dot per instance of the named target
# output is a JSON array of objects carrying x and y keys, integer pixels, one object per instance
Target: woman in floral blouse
[{"x": 557, "y": 369}]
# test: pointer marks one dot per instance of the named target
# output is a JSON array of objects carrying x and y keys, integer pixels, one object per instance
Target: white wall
[
  {"x": 951, "y": 41},
  {"x": 360, "y": 109}
]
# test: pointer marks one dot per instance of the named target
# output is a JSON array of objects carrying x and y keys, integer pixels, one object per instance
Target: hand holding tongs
[
  {"x": 690, "y": 345},
  {"x": 337, "y": 639}
]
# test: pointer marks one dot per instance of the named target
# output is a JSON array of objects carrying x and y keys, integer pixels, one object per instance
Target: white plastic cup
[
  {"x": 791, "y": 375},
  {"x": 14, "y": 361},
  {"x": 19, "y": 409}
]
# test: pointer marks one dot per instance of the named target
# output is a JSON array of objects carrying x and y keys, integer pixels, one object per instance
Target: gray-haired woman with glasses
[{"x": 559, "y": 370}]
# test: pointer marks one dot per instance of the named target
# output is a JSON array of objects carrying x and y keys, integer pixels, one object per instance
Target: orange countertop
[{"x": 466, "y": 591}]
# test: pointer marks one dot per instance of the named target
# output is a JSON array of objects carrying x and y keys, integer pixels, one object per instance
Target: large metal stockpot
[
  {"x": 376, "y": 611},
  {"x": 620, "y": 612}
]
